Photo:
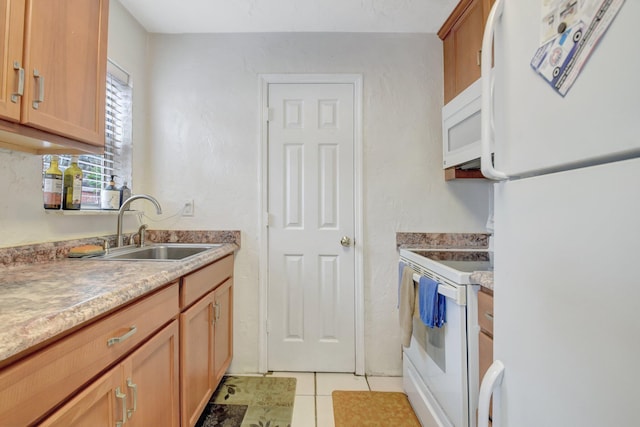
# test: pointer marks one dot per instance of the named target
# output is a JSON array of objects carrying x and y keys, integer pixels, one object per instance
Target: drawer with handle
[
  {"x": 485, "y": 312},
  {"x": 198, "y": 283},
  {"x": 36, "y": 384}
]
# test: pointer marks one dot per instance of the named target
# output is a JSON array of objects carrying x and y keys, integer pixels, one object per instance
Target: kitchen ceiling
[{"x": 242, "y": 16}]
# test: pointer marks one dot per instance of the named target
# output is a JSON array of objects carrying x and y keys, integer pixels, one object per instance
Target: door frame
[{"x": 358, "y": 203}]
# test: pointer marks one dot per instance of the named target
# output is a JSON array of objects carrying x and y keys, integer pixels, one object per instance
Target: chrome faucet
[{"x": 124, "y": 206}]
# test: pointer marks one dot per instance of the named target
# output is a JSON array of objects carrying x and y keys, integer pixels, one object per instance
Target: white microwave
[{"x": 461, "y": 127}]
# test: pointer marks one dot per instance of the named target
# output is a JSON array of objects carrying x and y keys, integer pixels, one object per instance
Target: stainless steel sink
[{"x": 158, "y": 252}]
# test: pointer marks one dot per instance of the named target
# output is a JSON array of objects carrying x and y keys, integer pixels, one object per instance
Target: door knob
[{"x": 346, "y": 241}]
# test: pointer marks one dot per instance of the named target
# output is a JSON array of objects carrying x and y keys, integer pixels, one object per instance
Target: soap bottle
[
  {"x": 72, "y": 187},
  {"x": 125, "y": 193},
  {"x": 110, "y": 196},
  {"x": 52, "y": 185}
]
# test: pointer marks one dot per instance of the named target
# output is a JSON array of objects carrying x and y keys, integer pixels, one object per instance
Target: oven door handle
[
  {"x": 457, "y": 294},
  {"x": 454, "y": 293}
]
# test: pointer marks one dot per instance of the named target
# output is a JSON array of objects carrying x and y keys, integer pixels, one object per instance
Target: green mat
[{"x": 250, "y": 402}]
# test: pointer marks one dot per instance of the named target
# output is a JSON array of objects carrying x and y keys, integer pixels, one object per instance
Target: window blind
[{"x": 116, "y": 160}]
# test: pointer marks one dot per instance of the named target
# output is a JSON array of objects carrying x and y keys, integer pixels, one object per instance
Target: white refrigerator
[{"x": 566, "y": 225}]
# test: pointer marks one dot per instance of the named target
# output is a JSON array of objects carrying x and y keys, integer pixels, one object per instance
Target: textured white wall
[
  {"x": 22, "y": 217},
  {"x": 204, "y": 145}
]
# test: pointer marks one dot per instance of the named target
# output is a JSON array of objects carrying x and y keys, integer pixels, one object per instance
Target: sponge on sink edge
[{"x": 85, "y": 250}]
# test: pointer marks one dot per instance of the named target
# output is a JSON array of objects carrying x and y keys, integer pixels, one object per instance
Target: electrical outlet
[{"x": 188, "y": 208}]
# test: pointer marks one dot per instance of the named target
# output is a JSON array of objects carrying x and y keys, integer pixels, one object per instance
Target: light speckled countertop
[
  {"x": 41, "y": 301},
  {"x": 449, "y": 244},
  {"x": 482, "y": 278}
]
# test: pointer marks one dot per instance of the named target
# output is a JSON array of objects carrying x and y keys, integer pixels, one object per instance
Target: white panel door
[{"x": 311, "y": 304}]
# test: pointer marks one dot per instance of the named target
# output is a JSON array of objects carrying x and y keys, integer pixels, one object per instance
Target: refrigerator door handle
[
  {"x": 491, "y": 386},
  {"x": 486, "y": 161}
]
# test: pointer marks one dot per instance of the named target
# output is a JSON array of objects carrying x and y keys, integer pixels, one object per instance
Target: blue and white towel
[{"x": 432, "y": 305}]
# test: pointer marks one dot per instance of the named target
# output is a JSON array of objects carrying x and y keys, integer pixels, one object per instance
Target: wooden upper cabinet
[
  {"x": 53, "y": 75},
  {"x": 461, "y": 35},
  {"x": 65, "y": 61},
  {"x": 11, "y": 72}
]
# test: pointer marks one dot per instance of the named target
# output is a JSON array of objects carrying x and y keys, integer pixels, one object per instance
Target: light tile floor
[{"x": 313, "y": 406}]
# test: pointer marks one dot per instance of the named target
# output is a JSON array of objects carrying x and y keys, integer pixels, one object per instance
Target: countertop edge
[{"x": 482, "y": 278}]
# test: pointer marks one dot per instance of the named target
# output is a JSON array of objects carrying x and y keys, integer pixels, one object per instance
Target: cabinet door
[
  {"x": 11, "y": 37},
  {"x": 223, "y": 332},
  {"x": 462, "y": 46},
  {"x": 65, "y": 63},
  {"x": 485, "y": 347},
  {"x": 196, "y": 358},
  {"x": 485, "y": 312},
  {"x": 151, "y": 381},
  {"x": 100, "y": 404}
]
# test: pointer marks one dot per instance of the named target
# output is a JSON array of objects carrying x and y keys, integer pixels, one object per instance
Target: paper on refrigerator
[{"x": 569, "y": 32}]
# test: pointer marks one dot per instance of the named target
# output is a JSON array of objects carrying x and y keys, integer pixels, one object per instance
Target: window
[{"x": 116, "y": 160}]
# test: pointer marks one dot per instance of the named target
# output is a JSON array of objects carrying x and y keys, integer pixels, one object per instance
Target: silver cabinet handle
[
  {"x": 120, "y": 395},
  {"x": 40, "y": 98},
  {"x": 217, "y": 311},
  {"x": 116, "y": 340},
  {"x": 20, "y": 91},
  {"x": 134, "y": 389},
  {"x": 346, "y": 241},
  {"x": 488, "y": 315}
]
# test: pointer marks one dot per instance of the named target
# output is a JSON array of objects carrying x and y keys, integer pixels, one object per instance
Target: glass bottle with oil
[{"x": 52, "y": 185}]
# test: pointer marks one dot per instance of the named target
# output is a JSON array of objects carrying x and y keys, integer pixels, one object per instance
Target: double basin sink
[{"x": 157, "y": 252}]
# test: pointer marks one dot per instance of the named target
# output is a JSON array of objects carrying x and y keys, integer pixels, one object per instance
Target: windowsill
[{"x": 87, "y": 212}]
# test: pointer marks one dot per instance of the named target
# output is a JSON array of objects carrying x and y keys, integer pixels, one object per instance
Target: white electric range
[{"x": 440, "y": 366}]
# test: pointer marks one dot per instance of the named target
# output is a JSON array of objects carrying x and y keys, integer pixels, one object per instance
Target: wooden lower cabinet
[
  {"x": 152, "y": 381},
  {"x": 97, "y": 405},
  {"x": 223, "y": 336},
  {"x": 196, "y": 354},
  {"x": 32, "y": 387},
  {"x": 154, "y": 362},
  {"x": 485, "y": 337},
  {"x": 206, "y": 349},
  {"x": 142, "y": 390},
  {"x": 223, "y": 331},
  {"x": 485, "y": 344}
]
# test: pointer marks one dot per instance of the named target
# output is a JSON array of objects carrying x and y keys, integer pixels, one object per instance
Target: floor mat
[
  {"x": 372, "y": 409},
  {"x": 241, "y": 401}
]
